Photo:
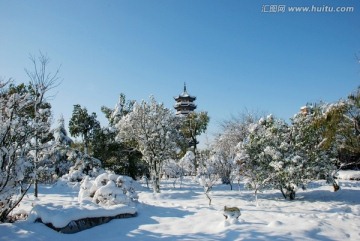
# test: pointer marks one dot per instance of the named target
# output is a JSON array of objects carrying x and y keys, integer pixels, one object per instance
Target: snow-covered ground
[{"x": 183, "y": 213}]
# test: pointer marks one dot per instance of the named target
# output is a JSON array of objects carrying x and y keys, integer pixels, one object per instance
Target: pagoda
[{"x": 184, "y": 103}]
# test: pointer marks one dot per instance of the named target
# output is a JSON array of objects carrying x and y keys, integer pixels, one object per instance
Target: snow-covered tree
[
  {"x": 224, "y": 168},
  {"x": 172, "y": 169},
  {"x": 42, "y": 144},
  {"x": 178, "y": 169},
  {"x": 59, "y": 149},
  {"x": 61, "y": 135},
  {"x": 267, "y": 158},
  {"x": 311, "y": 145},
  {"x": 284, "y": 165},
  {"x": 16, "y": 133},
  {"x": 154, "y": 129},
  {"x": 193, "y": 125},
  {"x": 349, "y": 130},
  {"x": 186, "y": 163},
  {"x": 207, "y": 174},
  {"x": 116, "y": 155},
  {"x": 84, "y": 165},
  {"x": 233, "y": 131},
  {"x": 251, "y": 158},
  {"x": 341, "y": 123},
  {"x": 122, "y": 108},
  {"x": 41, "y": 82},
  {"x": 84, "y": 125}
]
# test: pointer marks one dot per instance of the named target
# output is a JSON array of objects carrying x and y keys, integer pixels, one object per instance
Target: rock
[{"x": 85, "y": 223}]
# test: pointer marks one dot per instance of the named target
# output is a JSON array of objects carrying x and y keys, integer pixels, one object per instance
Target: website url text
[{"x": 307, "y": 9}]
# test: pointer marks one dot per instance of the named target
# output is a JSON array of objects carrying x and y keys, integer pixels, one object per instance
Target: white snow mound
[{"x": 60, "y": 216}]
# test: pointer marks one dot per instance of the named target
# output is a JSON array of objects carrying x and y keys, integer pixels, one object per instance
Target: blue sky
[{"x": 231, "y": 55}]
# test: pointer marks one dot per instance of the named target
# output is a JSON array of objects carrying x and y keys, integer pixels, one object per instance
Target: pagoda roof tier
[
  {"x": 183, "y": 112},
  {"x": 184, "y": 104},
  {"x": 184, "y": 96}
]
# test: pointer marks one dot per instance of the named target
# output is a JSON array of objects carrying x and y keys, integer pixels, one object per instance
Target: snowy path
[{"x": 183, "y": 214}]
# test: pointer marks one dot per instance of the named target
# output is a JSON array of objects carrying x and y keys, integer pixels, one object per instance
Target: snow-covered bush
[
  {"x": 108, "y": 189},
  {"x": 85, "y": 165}
]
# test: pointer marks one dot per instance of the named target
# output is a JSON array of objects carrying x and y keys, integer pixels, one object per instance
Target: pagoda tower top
[
  {"x": 185, "y": 96},
  {"x": 184, "y": 103}
]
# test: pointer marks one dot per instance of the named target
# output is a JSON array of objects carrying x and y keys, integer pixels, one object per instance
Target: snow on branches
[{"x": 154, "y": 128}]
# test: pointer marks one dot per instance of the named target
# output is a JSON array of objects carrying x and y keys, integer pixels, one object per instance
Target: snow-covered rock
[
  {"x": 59, "y": 217},
  {"x": 75, "y": 218}
]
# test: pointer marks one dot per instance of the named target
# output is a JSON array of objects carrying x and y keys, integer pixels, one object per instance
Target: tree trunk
[
  {"x": 155, "y": 178},
  {"x": 36, "y": 190},
  {"x": 195, "y": 155},
  {"x": 35, "y": 170},
  {"x": 156, "y": 183},
  {"x": 85, "y": 146},
  {"x": 282, "y": 192},
  {"x": 207, "y": 190},
  {"x": 336, "y": 186},
  {"x": 290, "y": 193},
  {"x": 5, "y": 212},
  {"x": 36, "y": 156},
  {"x": 256, "y": 197}
]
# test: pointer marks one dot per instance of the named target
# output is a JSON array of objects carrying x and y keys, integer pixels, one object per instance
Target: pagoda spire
[{"x": 184, "y": 87}]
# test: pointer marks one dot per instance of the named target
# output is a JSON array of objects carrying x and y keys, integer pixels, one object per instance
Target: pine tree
[
  {"x": 84, "y": 125},
  {"x": 193, "y": 125},
  {"x": 60, "y": 148},
  {"x": 118, "y": 156}
]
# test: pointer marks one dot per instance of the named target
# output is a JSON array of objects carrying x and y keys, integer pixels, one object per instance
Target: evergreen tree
[
  {"x": 84, "y": 125},
  {"x": 193, "y": 125},
  {"x": 252, "y": 160},
  {"x": 118, "y": 156},
  {"x": 342, "y": 129},
  {"x": 319, "y": 157},
  {"x": 60, "y": 149}
]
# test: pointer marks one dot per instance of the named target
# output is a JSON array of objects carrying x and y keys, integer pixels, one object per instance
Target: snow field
[{"x": 318, "y": 213}]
